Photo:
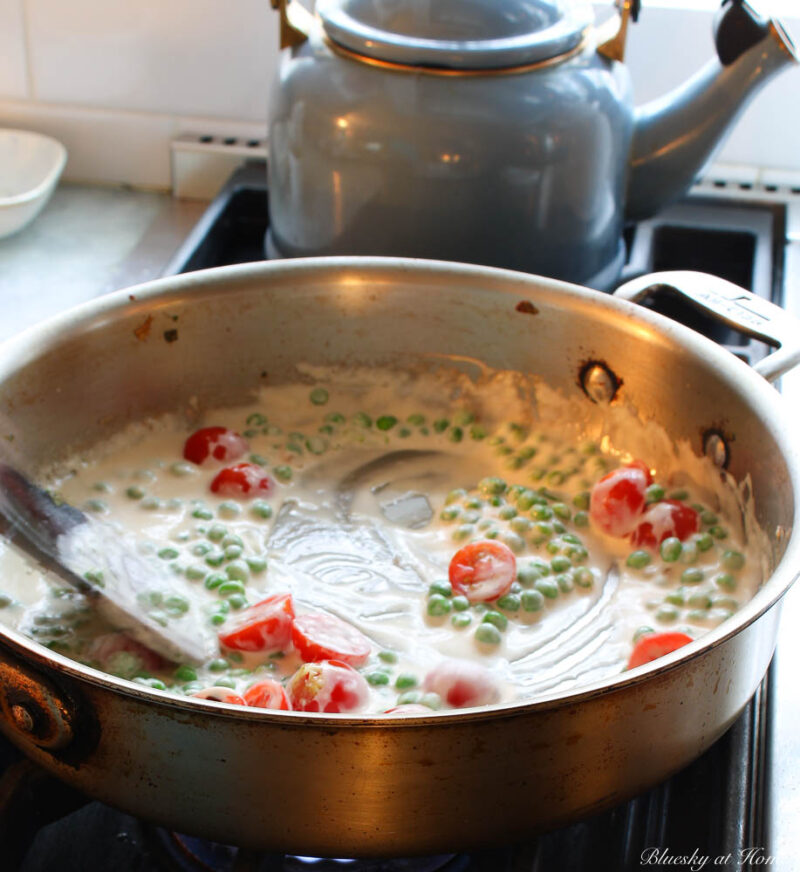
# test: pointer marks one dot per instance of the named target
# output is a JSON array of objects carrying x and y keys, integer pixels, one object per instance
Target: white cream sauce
[{"x": 360, "y": 529}]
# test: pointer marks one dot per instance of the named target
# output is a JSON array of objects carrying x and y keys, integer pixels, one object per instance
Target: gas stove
[{"x": 731, "y": 808}]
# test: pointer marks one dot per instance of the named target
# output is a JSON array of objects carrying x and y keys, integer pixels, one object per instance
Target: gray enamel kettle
[{"x": 498, "y": 132}]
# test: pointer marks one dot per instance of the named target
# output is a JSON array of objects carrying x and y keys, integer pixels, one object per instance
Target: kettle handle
[
  {"x": 734, "y": 306},
  {"x": 296, "y": 22},
  {"x": 613, "y": 34}
]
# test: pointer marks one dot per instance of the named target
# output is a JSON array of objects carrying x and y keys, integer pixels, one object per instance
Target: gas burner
[{"x": 190, "y": 854}]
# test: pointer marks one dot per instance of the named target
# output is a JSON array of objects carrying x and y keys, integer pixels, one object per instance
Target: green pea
[
  {"x": 5, "y": 600},
  {"x": 460, "y": 603},
  {"x": 217, "y": 619},
  {"x": 202, "y": 513},
  {"x": 488, "y": 634},
  {"x": 256, "y": 564},
  {"x": 182, "y": 469},
  {"x": 676, "y": 597},
  {"x": 229, "y": 509},
  {"x": 509, "y": 602},
  {"x": 230, "y": 683},
  {"x": 726, "y": 581},
  {"x": 154, "y": 683},
  {"x": 185, "y": 673},
  {"x": 548, "y": 587},
  {"x": 699, "y": 600},
  {"x": 581, "y": 500},
  {"x": 461, "y": 620},
  {"x": 692, "y": 575},
  {"x": 217, "y": 532},
  {"x": 168, "y": 553},
  {"x": 492, "y": 486},
  {"x": 679, "y": 495},
  {"x": 564, "y": 583},
  {"x": 654, "y": 493},
  {"x": 377, "y": 679},
  {"x": 471, "y": 517},
  {"x": 638, "y": 559},
  {"x": 515, "y": 543},
  {"x": 96, "y": 506},
  {"x": 387, "y": 656},
  {"x": 581, "y": 519},
  {"x": 689, "y": 552},
  {"x": 438, "y": 605},
  {"x": 229, "y": 587},
  {"x": 233, "y": 552},
  {"x": 542, "y": 513},
  {"x": 102, "y": 487},
  {"x": 583, "y": 577},
  {"x": 724, "y": 602},
  {"x": 385, "y": 422},
  {"x": 544, "y": 529},
  {"x": 527, "y": 575},
  {"x": 176, "y": 604},
  {"x": 733, "y": 560},
  {"x": 318, "y": 396},
  {"x": 642, "y": 631},
  {"x": 708, "y": 518},
  {"x": 441, "y": 587},
  {"x": 703, "y": 542},
  {"x": 282, "y": 473},
  {"x": 531, "y": 600},
  {"x": 463, "y": 531},
  {"x": 671, "y": 549},
  {"x": 576, "y": 553},
  {"x": 134, "y": 492},
  {"x": 562, "y": 511},
  {"x": 237, "y": 571},
  {"x": 560, "y": 564},
  {"x": 718, "y": 532},
  {"x": 215, "y": 558},
  {"x": 214, "y": 580},
  {"x": 406, "y": 680},
  {"x": 218, "y": 665},
  {"x": 667, "y": 613}
]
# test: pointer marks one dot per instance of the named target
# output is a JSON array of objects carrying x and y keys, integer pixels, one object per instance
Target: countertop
[{"x": 88, "y": 241}]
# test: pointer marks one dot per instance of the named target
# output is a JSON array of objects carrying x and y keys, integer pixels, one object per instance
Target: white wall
[{"x": 117, "y": 80}]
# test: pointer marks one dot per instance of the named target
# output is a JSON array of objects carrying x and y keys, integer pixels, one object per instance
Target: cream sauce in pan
[{"x": 375, "y": 485}]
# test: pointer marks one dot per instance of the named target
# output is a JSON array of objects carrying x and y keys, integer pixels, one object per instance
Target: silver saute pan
[{"x": 338, "y": 785}]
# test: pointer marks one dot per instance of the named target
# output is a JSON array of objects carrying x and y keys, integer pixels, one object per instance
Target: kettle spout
[{"x": 675, "y": 135}]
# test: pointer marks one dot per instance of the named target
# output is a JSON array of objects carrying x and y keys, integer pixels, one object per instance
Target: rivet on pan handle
[
  {"x": 31, "y": 708},
  {"x": 732, "y": 305}
]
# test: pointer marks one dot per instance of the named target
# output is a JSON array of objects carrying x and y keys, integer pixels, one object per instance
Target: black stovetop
[{"x": 717, "y": 808}]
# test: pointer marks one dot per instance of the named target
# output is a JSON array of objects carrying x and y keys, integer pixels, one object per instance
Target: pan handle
[{"x": 732, "y": 305}]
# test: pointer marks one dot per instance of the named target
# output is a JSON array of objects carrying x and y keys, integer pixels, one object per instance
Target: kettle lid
[{"x": 457, "y": 34}]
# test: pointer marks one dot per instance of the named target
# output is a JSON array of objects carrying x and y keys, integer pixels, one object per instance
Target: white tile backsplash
[
  {"x": 197, "y": 57},
  {"x": 117, "y": 81},
  {"x": 13, "y": 71}
]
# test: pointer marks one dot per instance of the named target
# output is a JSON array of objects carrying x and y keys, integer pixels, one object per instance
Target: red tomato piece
[
  {"x": 483, "y": 571},
  {"x": 220, "y": 694},
  {"x": 242, "y": 480},
  {"x": 461, "y": 683},
  {"x": 268, "y": 694},
  {"x": 103, "y": 648},
  {"x": 214, "y": 443},
  {"x": 655, "y": 645},
  {"x": 328, "y": 686},
  {"x": 325, "y": 637},
  {"x": 266, "y": 626},
  {"x": 618, "y": 499},
  {"x": 665, "y": 519}
]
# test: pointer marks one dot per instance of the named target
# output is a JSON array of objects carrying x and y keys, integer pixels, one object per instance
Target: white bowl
[{"x": 30, "y": 166}]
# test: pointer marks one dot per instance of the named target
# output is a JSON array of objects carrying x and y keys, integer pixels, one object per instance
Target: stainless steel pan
[{"x": 336, "y": 785}]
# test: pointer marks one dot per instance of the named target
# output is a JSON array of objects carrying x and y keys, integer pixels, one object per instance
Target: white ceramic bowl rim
[{"x": 54, "y": 169}]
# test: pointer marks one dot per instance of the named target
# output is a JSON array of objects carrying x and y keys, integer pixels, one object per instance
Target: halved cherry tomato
[
  {"x": 409, "y": 708},
  {"x": 325, "y": 637},
  {"x": 461, "y": 683},
  {"x": 618, "y": 499},
  {"x": 655, "y": 645},
  {"x": 483, "y": 571},
  {"x": 665, "y": 519},
  {"x": 216, "y": 443},
  {"x": 268, "y": 694},
  {"x": 220, "y": 694},
  {"x": 242, "y": 480},
  {"x": 327, "y": 686},
  {"x": 266, "y": 626},
  {"x": 103, "y": 648}
]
